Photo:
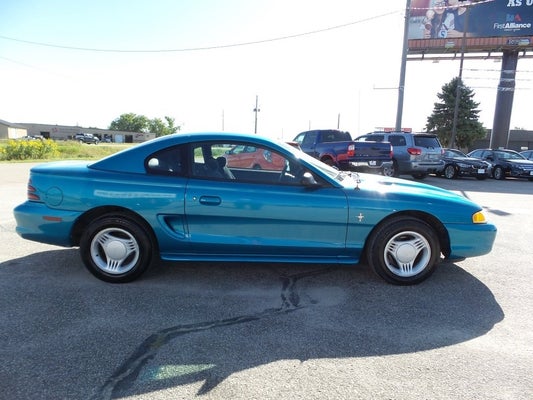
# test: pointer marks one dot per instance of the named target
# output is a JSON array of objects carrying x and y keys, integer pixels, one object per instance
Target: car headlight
[{"x": 479, "y": 218}]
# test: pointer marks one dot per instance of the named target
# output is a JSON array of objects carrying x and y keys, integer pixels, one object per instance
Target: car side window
[
  {"x": 397, "y": 140},
  {"x": 242, "y": 162},
  {"x": 166, "y": 162}
]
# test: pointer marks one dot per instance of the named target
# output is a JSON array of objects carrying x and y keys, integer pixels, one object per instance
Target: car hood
[
  {"x": 525, "y": 163},
  {"x": 403, "y": 191},
  {"x": 464, "y": 159}
]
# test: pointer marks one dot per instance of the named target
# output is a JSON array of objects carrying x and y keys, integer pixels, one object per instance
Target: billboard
[{"x": 439, "y": 26}]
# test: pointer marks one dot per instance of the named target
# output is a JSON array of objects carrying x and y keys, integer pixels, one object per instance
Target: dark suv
[{"x": 416, "y": 154}]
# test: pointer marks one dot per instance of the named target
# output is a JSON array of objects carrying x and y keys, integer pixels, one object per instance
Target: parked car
[
  {"x": 457, "y": 164},
  {"x": 416, "y": 154},
  {"x": 174, "y": 198},
  {"x": 33, "y": 137},
  {"x": 505, "y": 163},
  {"x": 527, "y": 154},
  {"x": 242, "y": 156},
  {"x": 336, "y": 148},
  {"x": 88, "y": 138}
]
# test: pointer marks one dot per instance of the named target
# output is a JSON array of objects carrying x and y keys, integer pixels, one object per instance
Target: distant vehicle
[
  {"x": 527, "y": 154},
  {"x": 33, "y": 137},
  {"x": 170, "y": 198},
  {"x": 242, "y": 156},
  {"x": 457, "y": 164},
  {"x": 88, "y": 138},
  {"x": 505, "y": 163},
  {"x": 336, "y": 148},
  {"x": 416, "y": 154}
]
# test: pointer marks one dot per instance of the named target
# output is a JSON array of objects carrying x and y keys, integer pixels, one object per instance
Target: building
[
  {"x": 518, "y": 140},
  {"x": 10, "y": 130}
]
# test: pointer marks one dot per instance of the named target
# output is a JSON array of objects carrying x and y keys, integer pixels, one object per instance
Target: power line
[{"x": 215, "y": 47}]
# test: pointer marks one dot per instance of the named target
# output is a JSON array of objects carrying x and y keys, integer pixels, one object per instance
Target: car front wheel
[
  {"x": 403, "y": 251},
  {"x": 450, "y": 172},
  {"x": 499, "y": 173},
  {"x": 116, "y": 249}
]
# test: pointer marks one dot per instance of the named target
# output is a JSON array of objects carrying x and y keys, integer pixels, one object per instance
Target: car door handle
[{"x": 210, "y": 200}]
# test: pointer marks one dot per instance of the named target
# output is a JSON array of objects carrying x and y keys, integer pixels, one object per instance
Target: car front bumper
[{"x": 470, "y": 240}]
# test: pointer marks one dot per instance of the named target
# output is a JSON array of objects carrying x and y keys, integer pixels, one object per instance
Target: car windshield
[
  {"x": 454, "y": 153},
  {"x": 324, "y": 168}
]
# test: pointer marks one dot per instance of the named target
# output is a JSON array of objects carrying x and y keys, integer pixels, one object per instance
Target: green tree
[
  {"x": 468, "y": 128},
  {"x": 131, "y": 122},
  {"x": 162, "y": 128}
]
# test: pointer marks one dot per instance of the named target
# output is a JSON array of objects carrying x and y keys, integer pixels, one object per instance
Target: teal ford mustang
[{"x": 177, "y": 198}]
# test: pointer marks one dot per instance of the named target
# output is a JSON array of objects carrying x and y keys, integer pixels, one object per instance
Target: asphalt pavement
[{"x": 269, "y": 331}]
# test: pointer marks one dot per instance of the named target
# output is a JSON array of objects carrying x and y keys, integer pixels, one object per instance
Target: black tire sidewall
[
  {"x": 453, "y": 169},
  {"x": 119, "y": 222},
  {"x": 381, "y": 236}
]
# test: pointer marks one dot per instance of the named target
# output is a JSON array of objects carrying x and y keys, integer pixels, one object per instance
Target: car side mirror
[{"x": 308, "y": 179}]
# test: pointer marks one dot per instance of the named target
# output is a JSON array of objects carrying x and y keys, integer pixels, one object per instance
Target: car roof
[{"x": 132, "y": 159}]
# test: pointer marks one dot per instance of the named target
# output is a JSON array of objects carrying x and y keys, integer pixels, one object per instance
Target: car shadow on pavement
[{"x": 199, "y": 323}]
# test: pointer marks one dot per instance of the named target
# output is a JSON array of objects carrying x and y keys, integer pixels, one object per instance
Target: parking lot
[{"x": 270, "y": 331}]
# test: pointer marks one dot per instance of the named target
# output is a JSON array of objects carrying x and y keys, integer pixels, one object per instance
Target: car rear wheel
[
  {"x": 450, "y": 172},
  {"x": 116, "y": 249},
  {"x": 391, "y": 169},
  {"x": 403, "y": 251}
]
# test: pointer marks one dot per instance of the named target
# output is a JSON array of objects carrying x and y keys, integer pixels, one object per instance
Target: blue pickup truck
[{"x": 336, "y": 148}]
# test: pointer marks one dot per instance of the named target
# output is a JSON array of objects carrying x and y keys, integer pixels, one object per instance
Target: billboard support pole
[
  {"x": 401, "y": 86},
  {"x": 504, "y": 100},
  {"x": 459, "y": 81}
]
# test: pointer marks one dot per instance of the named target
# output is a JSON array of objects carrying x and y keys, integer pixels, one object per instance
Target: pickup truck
[
  {"x": 88, "y": 138},
  {"x": 336, "y": 148}
]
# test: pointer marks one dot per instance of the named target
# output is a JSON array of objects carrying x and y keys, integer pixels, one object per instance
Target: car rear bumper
[
  {"x": 419, "y": 167},
  {"x": 37, "y": 222}
]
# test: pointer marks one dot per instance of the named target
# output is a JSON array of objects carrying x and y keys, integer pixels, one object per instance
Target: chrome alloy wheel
[
  {"x": 114, "y": 251},
  {"x": 407, "y": 254}
]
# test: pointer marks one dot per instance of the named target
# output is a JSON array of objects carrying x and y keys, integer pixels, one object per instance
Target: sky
[{"x": 311, "y": 64}]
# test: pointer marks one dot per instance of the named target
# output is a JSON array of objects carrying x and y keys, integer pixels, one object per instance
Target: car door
[{"x": 260, "y": 214}]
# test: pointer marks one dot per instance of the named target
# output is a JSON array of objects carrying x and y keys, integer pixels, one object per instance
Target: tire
[
  {"x": 498, "y": 173},
  {"x": 403, "y": 251},
  {"x": 392, "y": 170},
  {"x": 116, "y": 249},
  {"x": 450, "y": 172},
  {"x": 328, "y": 161}
]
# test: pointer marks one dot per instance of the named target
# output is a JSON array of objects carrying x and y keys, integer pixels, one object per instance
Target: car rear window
[
  {"x": 427, "y": 141},
  {"x": 336, "y": 136}
]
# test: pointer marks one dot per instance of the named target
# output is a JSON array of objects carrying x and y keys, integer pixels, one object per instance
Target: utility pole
[
  {"x": 256, "y": 110},
  {"x": 401, "y": 86}
]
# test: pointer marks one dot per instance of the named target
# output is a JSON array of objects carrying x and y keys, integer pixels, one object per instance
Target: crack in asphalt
[{"x": 126, "y": 375}]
